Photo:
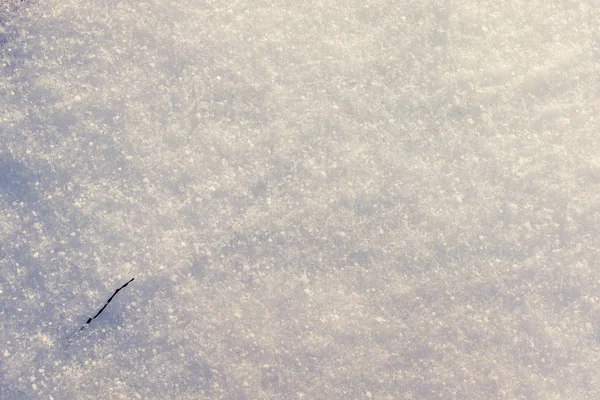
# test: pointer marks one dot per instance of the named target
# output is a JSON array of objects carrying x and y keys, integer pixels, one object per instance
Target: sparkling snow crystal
[{"x": 387, "y": 199}]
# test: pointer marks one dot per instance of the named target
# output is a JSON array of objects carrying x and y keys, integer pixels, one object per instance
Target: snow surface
[{"x": 388, "y": 199}]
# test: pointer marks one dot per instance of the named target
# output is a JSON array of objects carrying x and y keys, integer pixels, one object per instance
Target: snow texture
[{"x": 388, "y": 199}]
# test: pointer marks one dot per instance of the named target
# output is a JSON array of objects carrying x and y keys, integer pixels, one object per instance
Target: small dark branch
[{"x": 102, "y": 309}]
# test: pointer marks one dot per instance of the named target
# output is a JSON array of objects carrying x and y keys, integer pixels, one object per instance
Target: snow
[{"x": 343, "y": 199}]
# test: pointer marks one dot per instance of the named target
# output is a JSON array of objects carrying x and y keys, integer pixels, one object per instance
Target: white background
[{"x": 343, "y": 199}]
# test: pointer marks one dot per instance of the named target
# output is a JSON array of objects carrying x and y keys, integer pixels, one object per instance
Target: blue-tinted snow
[{"x": 342, "y": 199}]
